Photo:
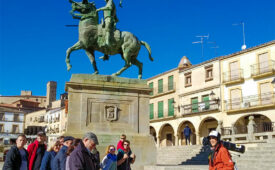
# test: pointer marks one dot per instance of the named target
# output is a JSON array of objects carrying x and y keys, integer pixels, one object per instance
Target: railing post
[
  {"x": 233, "y": 133},
  {"x": 250, "y": 128}
]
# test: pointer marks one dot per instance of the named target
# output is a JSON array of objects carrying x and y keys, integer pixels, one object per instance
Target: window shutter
[{"x": 170, "y": 107}]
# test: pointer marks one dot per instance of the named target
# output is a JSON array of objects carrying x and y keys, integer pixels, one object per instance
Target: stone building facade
[{"x": 232, "y": 94}]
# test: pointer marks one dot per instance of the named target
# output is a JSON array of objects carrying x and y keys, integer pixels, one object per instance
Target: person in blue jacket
[
  {"x": 187, "y": 132},
  {"x": 47, "y": 160},
  {"x": 59, "y": 162}
]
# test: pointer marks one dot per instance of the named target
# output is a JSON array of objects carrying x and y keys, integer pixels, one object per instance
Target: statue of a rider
[{"x": 110, "y": 20}]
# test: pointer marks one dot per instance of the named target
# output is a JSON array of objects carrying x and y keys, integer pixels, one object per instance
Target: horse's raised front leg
[
  {"x": 91, "y": 55},
  {"x": 76, "y": 46}
]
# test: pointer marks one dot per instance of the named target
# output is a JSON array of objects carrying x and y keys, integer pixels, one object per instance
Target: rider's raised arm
[{"x": 107, "y": 7}]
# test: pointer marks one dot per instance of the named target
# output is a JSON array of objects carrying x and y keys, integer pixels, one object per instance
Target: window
[
  {"x": 234, "y": 71},
  {"x": 266, "y": 93},
  {"x": 151, "y": 86},
  {"x": 151, "y": 111},
  {"x": 171, "y": 107},
  {"x": 209, "y": 73},
  {"x": 188, "y": 80},
  {"x": 170, "y": 83},
  {"x": 16, "y": 117},
  {"x": 1, "y": 128},
  {"x": 160, "y": 109},
  {"x": 206, "y": 104},
  {"x": 2, "y": 117},
  {"x": 15, "y": 129},
  {"x": 236, "y": 98},
  {"x": 263, "y": 63},
  {"x": 160, "y": 86},
  {"x": 194, "y": 102}
]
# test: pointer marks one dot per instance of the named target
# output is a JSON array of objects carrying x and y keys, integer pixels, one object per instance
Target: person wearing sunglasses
[
  {"x": 109, "y": 162},
  {"x": 125, "y": 158}
]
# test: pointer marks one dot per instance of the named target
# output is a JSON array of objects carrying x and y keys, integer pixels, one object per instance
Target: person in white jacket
[{"x": 109, "y": 162}]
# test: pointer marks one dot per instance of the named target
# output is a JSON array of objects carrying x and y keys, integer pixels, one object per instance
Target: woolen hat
[{"x": 68, "y": 138}]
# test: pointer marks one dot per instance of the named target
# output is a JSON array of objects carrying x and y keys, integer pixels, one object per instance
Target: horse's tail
[{"x": 148, "y": 49}]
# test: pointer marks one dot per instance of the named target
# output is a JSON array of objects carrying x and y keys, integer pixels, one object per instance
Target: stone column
[
  {"x": 250, "y": 128},
  {"x": 158, "y": 141},
  {"x": 176, "y": 140},
  {"x": 198, "y": 142}
]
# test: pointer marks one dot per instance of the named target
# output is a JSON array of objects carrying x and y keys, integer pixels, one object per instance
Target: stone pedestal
[{"x": 110, "y": 106}]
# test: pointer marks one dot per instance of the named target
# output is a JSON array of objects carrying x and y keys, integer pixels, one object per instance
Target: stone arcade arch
[
  {"x": 262, "y": 123},
  {"x": 206, "y": 126},
  {"x": 181, "y": 135},
  {"x": 167, "y": 135},
  {"x": 153, "y": 133}
]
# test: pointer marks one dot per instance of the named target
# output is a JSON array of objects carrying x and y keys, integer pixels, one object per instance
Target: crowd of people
[{"x": 68, "y": 153}]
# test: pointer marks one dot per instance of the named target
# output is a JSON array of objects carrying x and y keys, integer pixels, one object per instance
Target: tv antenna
[
  {"x": 242, "y": 23},
  {"x": 201, "y": 41},
  {"x": 215, "y": 46}
]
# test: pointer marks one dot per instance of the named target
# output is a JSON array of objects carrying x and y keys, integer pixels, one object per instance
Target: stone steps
[{"x": 183, "y": 167}]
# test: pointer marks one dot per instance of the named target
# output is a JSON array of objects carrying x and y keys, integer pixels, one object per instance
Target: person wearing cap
[
  {"x": 219, "y": 157},
  {"x": 59, "y": 162},
  {"x": 81, "y": 157},
  {"x": 36, "y": 151},
  {"x": 17, "y": 157}
]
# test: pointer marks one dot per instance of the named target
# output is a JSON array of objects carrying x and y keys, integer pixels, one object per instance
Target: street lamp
[{"x": 177, "y": 107}]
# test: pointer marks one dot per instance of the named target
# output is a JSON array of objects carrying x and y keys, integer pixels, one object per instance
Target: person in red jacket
[
  {"x": 120, "y": 142},
  {"x": 219, "y": 157},
  {"x": 36, "y": 151}
]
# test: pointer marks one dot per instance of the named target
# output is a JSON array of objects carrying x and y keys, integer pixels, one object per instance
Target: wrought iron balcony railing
[
  {"x": 263, "y": 68},
  {"x": 201, "y": 107},
  {"x": 11, "y": 120},
  {"x": 233, "y": 76},
  {"x": 261, "y": 100},
  {"x": 166, "y": 88},
  {"x": 264, "y": 127}
]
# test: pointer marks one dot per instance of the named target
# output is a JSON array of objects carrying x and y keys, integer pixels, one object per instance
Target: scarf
[
  {"x": 112, "y": 157},
  {"x": 212, "y": 153}
]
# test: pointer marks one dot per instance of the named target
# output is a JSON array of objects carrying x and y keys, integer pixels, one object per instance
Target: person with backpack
[{"x": 219, "y": 157}]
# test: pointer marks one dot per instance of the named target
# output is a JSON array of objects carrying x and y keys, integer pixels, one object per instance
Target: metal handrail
[
  {"x": 201, "y": 106},
  {"x": 262, "y": 68},
  {"x": 250, "y": 101},
  {"x": 227, "y": 76}
]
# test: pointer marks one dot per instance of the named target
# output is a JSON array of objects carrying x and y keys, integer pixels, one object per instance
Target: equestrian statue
[{"x": 104, "y": 37}]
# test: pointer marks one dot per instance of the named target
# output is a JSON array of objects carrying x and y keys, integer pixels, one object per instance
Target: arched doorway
[
  {"x": 166, "y": 135},
  {"x": 206, "y": 126},
  {"x": 181, "y": 135},
  {"x": 262, "y": 124},
  {"x": 153, "y": 133}
]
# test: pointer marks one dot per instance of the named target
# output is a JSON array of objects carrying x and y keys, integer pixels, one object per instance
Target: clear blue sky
[{"x": 34, "y": 39}]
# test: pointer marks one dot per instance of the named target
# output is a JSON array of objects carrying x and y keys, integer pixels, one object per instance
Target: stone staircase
[
  {"x": 260, "y": 157},
  {"x": 196, "y": 158}
]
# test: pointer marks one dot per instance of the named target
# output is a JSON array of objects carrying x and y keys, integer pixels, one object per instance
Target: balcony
[
  {"x": 250, "y": 102},
  {"x": 233, "y": 76},
  {"x": 167, "y": 88},
  {"x": 205, "y": 106},
  {"x": 12, "y": 120},
  {"x": 263, "y": 69}
]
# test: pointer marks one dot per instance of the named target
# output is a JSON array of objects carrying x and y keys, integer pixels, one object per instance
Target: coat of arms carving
[{"x": 111, "y": 112}]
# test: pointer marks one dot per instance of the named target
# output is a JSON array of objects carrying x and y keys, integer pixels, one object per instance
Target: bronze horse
[{"x": 91, "y": 38}]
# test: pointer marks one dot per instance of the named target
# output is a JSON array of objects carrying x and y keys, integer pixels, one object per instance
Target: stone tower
[{"x": 51, "y": 93}]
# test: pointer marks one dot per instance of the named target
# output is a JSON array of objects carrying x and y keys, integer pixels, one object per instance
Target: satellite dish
[{"x": 243, "y": 47}]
